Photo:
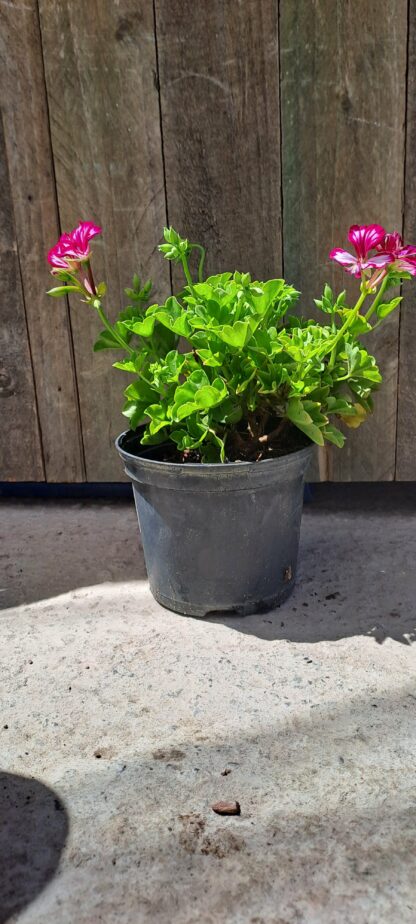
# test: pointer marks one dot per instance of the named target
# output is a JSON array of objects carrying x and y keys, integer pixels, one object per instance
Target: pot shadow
[
  {"x": 33, "y": 832},
  {"x": 53, "y": 547},
  {"x": 356, "y": 572}
]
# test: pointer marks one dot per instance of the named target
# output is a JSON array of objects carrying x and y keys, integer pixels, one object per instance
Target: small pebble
[{"x": 226, "y": 808}]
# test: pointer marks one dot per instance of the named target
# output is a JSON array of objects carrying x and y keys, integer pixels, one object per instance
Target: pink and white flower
[
  {"x": 364, "y": 238},
  {"x": 403, "y": 257},
  {"x": 73, "y": 248}
]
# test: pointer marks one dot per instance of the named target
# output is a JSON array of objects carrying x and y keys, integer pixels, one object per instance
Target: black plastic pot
[{"x": 219, "y": 538}]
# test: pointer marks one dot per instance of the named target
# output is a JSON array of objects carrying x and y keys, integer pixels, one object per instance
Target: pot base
[{"x": 240, "y": 609}]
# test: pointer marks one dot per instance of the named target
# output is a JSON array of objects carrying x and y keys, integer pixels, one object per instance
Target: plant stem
[
  {"x": 377, "y": 299},
  {"x": 269, "y": 437},
  {"x": 201, "y": 261},
  {"x": 110, "y": 328},
  {"x": 90, "y": 277},
  {"x": 188, "y": 276},
  {"x": 353, "y": 314}
]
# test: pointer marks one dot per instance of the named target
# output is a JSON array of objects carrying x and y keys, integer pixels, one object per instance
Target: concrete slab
[{"x": 121, "y": 723}]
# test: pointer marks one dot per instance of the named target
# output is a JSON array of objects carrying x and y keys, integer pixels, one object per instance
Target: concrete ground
[{"x": 121, "y": 723}]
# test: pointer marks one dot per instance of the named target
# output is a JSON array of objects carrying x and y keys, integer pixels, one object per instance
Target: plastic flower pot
[{"x": 217, "y": 538}]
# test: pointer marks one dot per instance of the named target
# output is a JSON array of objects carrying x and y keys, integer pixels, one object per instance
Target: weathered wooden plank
[
  {"x": 343, "y": 69},
  {"x": 219, "y": 85},
  {"x": 406, "y": 413},
  {"x": 101, "y": 73},
  {"x": 20, "y": 448},
  {"x": 36, "y": 224}
]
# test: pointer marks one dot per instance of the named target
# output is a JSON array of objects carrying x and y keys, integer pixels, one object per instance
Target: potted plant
[{"x": 229, "y": 390}]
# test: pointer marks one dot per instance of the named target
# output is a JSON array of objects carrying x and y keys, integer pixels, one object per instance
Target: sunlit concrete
[{"x": 121, "y": 723}]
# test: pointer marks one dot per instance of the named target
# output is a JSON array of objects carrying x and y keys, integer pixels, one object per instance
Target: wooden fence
[{"x": 262, "y": 128}]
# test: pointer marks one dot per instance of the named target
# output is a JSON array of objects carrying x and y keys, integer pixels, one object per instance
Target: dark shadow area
[
  {"x": 87, "y": 490},
  {"x": 383, "y": 497},
  {"x": 50, "y": 548},
  {"x": 356, "y": 569},
  {"x": 33, "y": 831}
]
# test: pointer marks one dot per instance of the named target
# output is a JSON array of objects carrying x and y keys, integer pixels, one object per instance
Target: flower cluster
[{"x": 389, "y": 253}]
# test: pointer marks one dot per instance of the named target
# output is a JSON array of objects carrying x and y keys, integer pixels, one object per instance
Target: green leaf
[
  {"x": 191, "y": 438},
  {"x": 326, "y": 303},
  {"x": 334, "y": 435},
  {"x": 219, "y": 281},
  {"x": 158, "y": 417},
  {"x": 270, "y": 291},
  {"x": 209, "y": 358},
  {"x": 387, "y": 307},
  {"x": 297, "y": 414},
  {"x": 236, "y": 335},
  {"x": 64, "y": 276},
  {"x": 197, "y": 394},
  {"x": 352, "y": 352},
  {"x": 143, "y": 328},
  {"x": 395, "y": 279},
  {"x": 219, "y": 443},
  {"x": 106, "y": 341},
  {"x": 63, "y": 290},
  {"x": 141, "y": 391},
  {"x": 134, "y": 411},
  {"x": 336, "y": 405},
  {"x": 173, "y": 316}
]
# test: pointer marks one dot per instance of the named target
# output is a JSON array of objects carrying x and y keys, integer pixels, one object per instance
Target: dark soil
[{"x": 241, "y": 447}]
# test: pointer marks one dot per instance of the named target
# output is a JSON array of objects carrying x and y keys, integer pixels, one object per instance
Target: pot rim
[{"x": 158, "y": 464}]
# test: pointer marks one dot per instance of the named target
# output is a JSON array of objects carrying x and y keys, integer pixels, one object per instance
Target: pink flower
[
  {"x": 364, "y": 238},
  {"x": 403, "y": 257},
  {"x": 73, "y": 247}
]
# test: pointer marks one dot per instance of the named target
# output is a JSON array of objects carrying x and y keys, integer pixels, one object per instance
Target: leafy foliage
[{"x": 225, "y": 370}]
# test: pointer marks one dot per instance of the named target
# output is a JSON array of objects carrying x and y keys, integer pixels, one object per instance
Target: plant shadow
[{"x": 33, "y": 832}]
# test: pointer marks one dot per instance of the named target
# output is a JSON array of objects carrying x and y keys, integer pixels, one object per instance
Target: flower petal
[
  {"x": 391, "y": 243},
  {"x": 365, "y": 238},
  {"x": 56, "y": 257},
  {"x": 407, "y": 265},
  {"x": 380, "y": 259},
  {"x": 73, "y": 246},
  {"x": 342, "y": 256},
  {"x": 350, "y": 263}
]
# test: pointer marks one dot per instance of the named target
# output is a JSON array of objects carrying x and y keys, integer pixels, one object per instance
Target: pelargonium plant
[{"x": 225, "y": 370}]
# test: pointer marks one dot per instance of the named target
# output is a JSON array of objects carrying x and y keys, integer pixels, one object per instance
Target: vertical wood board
[
  {"x": 101, "y": 72},
  {"x": 219, "y": 85},
  {"x": 343, "y": 72},
  {"x": 30, "y": 166},
  {"x": 406, "y": 408},
  {"x": 20, "y": 448}
]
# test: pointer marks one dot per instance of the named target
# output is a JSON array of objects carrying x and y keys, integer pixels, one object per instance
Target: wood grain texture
[
  {"x": 29, "y": 156},
  {"x": 101, "y": 73},
  {"x": 219, "y": 85},
  {"x": 406, "y": 406},
  {"x": 343, "y": 69},
  {"x": 20, "y": 448}
]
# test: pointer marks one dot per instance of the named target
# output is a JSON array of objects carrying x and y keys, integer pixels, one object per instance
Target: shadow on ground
[
  {"x": 356, "y": 572},
  {"x": 52, "y": 547},
  {"x": 33, "y": 831},
  {"x": 327, "y": 830}
]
